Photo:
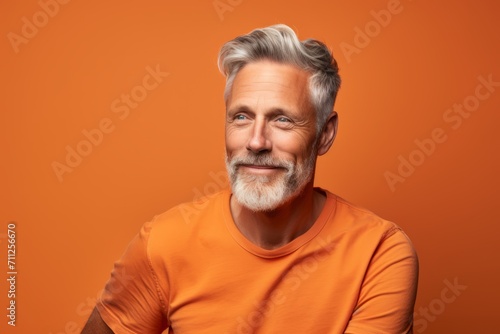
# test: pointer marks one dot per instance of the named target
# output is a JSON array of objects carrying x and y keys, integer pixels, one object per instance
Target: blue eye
[
  {"x": 283, "y": 119},
  {"x": 240, "y": 117}
]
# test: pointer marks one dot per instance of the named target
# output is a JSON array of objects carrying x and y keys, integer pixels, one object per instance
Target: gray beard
[{"x": 266, "y": 193}]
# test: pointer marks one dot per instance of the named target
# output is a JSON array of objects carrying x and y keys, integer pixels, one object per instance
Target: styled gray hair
[{"x": 279, "y": 43}]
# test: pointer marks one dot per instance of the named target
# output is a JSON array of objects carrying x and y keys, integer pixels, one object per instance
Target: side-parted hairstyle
[{"x": 279, "y": 43}]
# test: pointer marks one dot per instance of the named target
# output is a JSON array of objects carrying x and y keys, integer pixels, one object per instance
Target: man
[{"x": 274, "y": 254}]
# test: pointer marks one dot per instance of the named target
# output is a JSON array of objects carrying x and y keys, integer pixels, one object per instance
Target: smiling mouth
[
  {"x": 258, "y": 166},
  {"x": 260, "y": 169}
]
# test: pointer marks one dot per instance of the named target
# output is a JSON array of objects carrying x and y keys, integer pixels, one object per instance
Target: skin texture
[{"x": 269, "y": 112}]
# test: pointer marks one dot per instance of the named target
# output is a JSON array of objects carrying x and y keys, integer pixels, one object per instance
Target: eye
[
  {"x": 240, "y": 119},
  {"x": 283, "y": 119},
  {"x": 284, "y": 123}
]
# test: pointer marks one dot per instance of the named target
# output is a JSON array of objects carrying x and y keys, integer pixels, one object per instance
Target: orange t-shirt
[{"x": 192, "y": 271}]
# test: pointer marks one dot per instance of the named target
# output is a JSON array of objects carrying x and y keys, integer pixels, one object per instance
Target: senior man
[{"x": 273, "y": 254}]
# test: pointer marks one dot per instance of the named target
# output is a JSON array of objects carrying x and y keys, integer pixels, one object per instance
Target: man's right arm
[
  {"x": 95, "y": 325},
  {"x": 133, "y": 301}
]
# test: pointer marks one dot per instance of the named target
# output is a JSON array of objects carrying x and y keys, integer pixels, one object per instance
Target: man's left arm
[{"x": 388, "y": 293}]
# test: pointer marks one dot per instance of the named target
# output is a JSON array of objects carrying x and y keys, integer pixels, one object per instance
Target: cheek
[
  {"x": 234, "y": 141},
  {"x": 294, "y": 144}
]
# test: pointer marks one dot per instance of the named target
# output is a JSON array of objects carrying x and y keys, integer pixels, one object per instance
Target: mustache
[{"x": 260, "y": 160}]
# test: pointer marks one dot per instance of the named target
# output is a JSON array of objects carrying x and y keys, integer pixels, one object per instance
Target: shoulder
[
  {"x": 351, "y": 216},
  {"x": 177, "y": 227},
  {"x": 191, "y": 213},
  {"x": 356, "y": 225}
]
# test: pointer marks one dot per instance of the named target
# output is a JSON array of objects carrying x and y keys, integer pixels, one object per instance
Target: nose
[{"x": 259, "y": 141}]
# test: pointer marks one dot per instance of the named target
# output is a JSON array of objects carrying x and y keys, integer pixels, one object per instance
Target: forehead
[{"x": 270, "y": 82}]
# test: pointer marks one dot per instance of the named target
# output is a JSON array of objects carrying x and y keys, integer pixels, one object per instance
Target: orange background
[{"x": 396, "y": 89}]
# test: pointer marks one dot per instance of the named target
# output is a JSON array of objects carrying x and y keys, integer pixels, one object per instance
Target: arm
[
  {"x": 131, "y": 301},
  {"x": 387, "y": 297},
  {"x": 95, "y": 325}
]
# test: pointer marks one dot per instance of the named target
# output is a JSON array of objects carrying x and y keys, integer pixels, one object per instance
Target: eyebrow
[{"x": 270, "y": 112}]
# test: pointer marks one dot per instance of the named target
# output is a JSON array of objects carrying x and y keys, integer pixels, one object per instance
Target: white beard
[{"x": 266, "y": 193}]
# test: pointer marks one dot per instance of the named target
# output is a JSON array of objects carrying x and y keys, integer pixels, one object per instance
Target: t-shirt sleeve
[
  {"x": 388, "y": 293},
  {"x": 131, "y": 302}
]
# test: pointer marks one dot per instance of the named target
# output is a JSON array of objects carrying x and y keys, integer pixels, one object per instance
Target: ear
[{"x": 327, "y": 135}]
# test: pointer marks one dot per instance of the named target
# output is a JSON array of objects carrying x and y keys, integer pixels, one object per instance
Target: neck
[{"x": 276, "y": 228}]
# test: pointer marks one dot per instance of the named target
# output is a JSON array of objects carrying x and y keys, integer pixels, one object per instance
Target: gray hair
[{"x": 280, "y": 43}]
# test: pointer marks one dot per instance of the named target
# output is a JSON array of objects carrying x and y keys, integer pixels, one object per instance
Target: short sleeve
[
  {"x": 388, "y": 293},
  {"x": 130, "y": 302}
]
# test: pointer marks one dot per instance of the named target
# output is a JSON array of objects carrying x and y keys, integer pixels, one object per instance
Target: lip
[{"x": 260, "y": 169}]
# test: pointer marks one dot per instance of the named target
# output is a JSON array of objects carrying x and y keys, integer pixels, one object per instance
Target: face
[{"x": 270, "y": 135}]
